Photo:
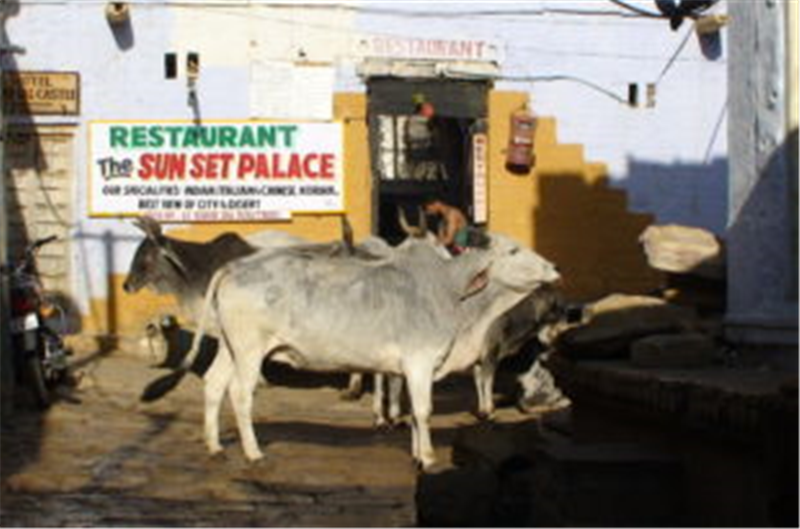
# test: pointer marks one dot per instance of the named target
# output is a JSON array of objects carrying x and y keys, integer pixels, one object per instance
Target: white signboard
[{"x": 216, "y": 171}]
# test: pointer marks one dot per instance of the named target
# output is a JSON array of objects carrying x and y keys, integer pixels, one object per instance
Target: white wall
[{"x": 668, "y": 157}]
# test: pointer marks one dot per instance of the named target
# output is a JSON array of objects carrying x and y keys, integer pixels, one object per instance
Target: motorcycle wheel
[{"x": 35, "y": 381}]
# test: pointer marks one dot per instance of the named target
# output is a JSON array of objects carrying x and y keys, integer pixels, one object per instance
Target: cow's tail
[
  {"x": 163, "y": 385},
  {"x": 211, "y": 296}
]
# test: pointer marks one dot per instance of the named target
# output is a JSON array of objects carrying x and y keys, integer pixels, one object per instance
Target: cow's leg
[
  {"x": 477, "y": 375},
  {"x": 484, "y": 372},
  {"x": 419, "y": 379},
  {"x": 355, "y": 387},
  {"x": 242, "y": 388},
  {"x": 377, "y": 401},
  {"x": 217, "y": 381},
  {"x": 395, "y": 394}
]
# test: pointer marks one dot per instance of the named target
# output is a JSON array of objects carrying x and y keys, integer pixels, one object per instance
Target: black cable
[
  {"x": 676, "y": 13},
  {"x": 569, "y": 78},
  {"x": 638, "y": 10}
]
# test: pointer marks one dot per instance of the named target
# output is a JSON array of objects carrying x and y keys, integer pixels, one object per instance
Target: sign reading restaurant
[
  {"x": 41, "y": 93},
  {"x": 423, "y": 48},
  {"x": 215, "y": 172}
]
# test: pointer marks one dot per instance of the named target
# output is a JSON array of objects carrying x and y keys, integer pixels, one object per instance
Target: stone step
[{"x": 571, "y": 484}]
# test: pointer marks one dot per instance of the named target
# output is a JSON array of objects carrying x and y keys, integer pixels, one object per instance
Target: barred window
[{"x": 407, "y": 149}]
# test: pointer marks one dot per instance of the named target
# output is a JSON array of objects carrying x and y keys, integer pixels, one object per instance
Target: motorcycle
[{"x": 40, "y": 355}]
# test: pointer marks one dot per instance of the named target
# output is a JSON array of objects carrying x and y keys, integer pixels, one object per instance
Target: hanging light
[{"x": 117, "y": 13}]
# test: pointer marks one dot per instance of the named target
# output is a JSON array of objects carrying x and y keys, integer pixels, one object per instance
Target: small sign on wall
[
  {"x": 41, "y": 93},
  {"x": 215, "y": 172},
  {"x": 480, "y": 201}
]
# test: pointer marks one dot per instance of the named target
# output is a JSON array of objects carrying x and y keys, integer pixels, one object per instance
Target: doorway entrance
[{"x": 421, "y": 135}]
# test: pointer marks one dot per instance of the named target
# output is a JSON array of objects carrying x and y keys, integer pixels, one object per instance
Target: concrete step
[{"x": 573, "y": 484}]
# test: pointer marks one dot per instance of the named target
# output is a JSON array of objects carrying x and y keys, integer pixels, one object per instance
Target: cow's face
[
  {"x": 519, "y": 268},
  {"x": 145, "y": 266},
  {"x": 155, "y": 263}
]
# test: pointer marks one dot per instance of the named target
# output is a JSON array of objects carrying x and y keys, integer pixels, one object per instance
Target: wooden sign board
[{"x": 41, "y": 93}]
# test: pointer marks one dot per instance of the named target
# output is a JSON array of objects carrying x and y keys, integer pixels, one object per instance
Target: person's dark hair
[{"x": 435, "y": 198}]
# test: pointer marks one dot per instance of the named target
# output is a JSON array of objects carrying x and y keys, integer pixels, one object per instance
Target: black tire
[{"x": 35, "y": 381}]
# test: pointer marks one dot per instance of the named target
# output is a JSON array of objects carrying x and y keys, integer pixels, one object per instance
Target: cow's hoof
[
  {"x": 429, "y": 467},
  {"x": 485, "y": 416},
  {"x": 350, "y": 395},
  {"x": 213, "y": 448},
  {"x": 218, "y": 455},
  {"x": 254, "y": 457},
  {"x": 382, "y": 425}
]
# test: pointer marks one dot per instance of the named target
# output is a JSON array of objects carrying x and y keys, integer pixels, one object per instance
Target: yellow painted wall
[
  {"x": 564, "y": 209},
  {"x": 127, "y": 314}
]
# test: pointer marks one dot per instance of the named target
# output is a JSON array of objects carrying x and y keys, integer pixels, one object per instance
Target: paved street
[{"x": 111, "y": 460}]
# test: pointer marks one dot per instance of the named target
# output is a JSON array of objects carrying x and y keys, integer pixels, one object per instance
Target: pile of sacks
[{"x": 679, "y": 326}]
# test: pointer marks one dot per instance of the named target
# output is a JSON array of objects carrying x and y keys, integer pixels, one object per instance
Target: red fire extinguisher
[{"x": 519, "y": 157}]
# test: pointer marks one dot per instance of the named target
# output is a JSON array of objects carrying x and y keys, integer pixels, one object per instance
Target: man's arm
[{"x": 454, "y": 221}]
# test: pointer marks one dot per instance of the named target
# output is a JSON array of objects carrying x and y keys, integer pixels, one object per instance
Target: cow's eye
[{"x": 514, "y": 251}]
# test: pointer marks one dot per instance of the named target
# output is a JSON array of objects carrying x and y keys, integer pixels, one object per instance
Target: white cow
[{"x": 399, "y": 316}]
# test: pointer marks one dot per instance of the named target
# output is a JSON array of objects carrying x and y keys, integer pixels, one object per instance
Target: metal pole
[{"x": 6, "y": 364}]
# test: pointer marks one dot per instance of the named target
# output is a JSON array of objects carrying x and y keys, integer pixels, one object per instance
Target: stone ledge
[{"x": 735, "y": 402}]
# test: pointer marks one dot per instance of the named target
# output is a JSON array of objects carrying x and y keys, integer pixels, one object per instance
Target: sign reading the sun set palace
[{"x": 215, "y": 172}]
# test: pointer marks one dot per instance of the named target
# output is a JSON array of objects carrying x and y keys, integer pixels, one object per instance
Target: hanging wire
[
  {"x": 715, "y": 132},
  {"x": 674, "y": 57},
  {"x": 636, "y": 9},
  {"x": 652, "y": 14},
  {"x": 568, "y": 78}
]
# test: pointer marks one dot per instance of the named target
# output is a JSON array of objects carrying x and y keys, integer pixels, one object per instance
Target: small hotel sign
[
  {"x": 418, "y": 48},
  {"x": 41, "y": 93}
]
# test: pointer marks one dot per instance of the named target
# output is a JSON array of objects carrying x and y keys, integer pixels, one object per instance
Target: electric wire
[
  {"x": 674, "y": 57},
  {"x": 568, "y": 78},
  {"x": 636, "y": 9}
]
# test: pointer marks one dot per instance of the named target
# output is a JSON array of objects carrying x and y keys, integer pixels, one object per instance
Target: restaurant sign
[
  {"x": 425, "y": 48},
  {"x": 215, "y": 172},
  {"x": 41, "y": 93}
]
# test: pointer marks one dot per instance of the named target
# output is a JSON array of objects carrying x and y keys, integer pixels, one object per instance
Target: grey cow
[
  {"x": 400, "y": 315},
  {"x": 184, "y": 268}
]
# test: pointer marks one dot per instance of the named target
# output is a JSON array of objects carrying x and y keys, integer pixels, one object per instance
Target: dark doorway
[{"x": 418, "y": 155}]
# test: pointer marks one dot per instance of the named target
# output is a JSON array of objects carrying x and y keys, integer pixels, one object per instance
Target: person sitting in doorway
[{"x": 453, "y": 230}]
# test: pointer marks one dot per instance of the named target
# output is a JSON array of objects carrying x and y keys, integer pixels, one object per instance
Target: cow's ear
[
  {"x": 477, "y": 283},
  {"x": 149, "y": 226}
]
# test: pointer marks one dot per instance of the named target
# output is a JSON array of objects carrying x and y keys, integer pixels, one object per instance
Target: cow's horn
[
  {"x": 423, "y": 223},
  {"x": 347, "y": 236},
  {"x": 410, "y": 230},
  {"x": 149, "y": 226}
]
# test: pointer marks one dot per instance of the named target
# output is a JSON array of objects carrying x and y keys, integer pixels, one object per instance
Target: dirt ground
[{"x": 110, "y": 460}]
